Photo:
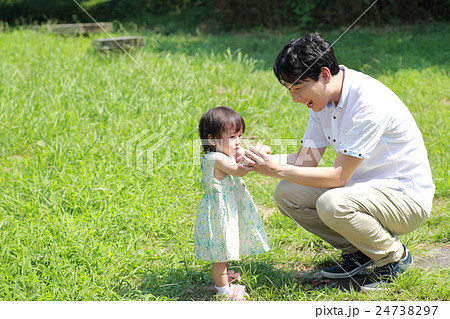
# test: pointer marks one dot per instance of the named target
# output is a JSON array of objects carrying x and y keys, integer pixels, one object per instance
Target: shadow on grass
[
  {"x": 194, "y": 283},
  {"x": 311, "y": 280}
]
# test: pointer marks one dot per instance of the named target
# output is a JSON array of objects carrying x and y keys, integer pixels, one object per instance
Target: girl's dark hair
[
  {"x": 217, "y": 120},
  {"x": 302, "y": 59}
]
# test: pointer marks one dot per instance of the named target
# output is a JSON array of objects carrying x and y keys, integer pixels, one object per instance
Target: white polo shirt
[{"x": 372, "y": 123}]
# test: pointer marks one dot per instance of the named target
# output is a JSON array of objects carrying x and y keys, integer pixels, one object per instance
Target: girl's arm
[{"x": 225, "y": 165}]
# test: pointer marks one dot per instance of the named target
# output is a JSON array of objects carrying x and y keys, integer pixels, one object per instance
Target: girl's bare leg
[{"x": 219, "y": 274}]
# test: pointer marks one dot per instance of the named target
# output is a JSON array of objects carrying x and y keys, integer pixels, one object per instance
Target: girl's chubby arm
[{"x": 225, "y": 165}]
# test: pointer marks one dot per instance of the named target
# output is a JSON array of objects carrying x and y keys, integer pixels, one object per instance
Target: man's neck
[{"x": 337, "y": 81}]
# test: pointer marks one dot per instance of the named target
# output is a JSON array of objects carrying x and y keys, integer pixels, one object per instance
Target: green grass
[{"x": 79, "y": 221}]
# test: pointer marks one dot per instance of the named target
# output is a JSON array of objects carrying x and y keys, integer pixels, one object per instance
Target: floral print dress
[{"x": 228, "y": 223}]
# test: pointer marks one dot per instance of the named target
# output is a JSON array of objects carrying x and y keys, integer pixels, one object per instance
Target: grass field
[{"x": 81, "y": 218}]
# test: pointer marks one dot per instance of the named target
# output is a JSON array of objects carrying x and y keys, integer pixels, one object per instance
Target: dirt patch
[
  {"x": 433, "y": 257},
  {"x": 265, "y": 211}
]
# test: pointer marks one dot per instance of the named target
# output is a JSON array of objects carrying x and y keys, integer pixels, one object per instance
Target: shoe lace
[
  {"x": 385, "y": 271},
  {"x": 349, "y": 259}
]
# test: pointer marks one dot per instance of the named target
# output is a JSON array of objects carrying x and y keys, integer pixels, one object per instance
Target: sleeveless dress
[{"x": 228, "y": 223}]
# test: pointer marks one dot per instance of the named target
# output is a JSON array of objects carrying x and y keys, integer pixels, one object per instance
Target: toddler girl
[{"x": 228, "y": 224}]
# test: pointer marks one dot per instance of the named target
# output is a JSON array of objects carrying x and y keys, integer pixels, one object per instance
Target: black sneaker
[
  {"x": 352, "y": 264},
  {"x": 383, "y": 276}
]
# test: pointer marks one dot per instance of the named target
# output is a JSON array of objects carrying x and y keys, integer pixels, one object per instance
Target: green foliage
[
  {"x": 241, "y": 14},
  {"x": 210, "y": 15},
  {"x": 27, "y": 11},
  {"x": 119, "y": 9}
]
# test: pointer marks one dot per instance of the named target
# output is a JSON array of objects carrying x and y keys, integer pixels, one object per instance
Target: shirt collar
[{"x": 344, "y": 90}]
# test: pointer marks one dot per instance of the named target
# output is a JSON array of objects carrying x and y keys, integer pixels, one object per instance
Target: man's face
[{"x": 310, "y": 92}]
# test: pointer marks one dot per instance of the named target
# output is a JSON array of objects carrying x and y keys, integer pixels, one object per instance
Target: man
[{"x": 380, "y": 184}]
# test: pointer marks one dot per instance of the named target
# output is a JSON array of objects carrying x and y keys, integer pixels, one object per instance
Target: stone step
[{"x": 119, "y": 43}]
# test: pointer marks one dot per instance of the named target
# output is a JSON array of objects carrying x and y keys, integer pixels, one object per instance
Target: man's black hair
[{"x": 302, "y": 59}]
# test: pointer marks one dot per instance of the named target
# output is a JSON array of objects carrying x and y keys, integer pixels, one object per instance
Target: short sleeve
[
  {"x": 363, "y": 132},
  {"x": 314, "y": 136}
]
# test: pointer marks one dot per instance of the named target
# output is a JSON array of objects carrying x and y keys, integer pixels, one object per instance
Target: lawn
[{"x": 99, "y": 173}]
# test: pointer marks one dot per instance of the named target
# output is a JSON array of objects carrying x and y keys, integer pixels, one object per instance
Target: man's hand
[
  {"x": 240, "y": 155},
  {"x": 243, "y": 161},
  {"x": 264, "y": 148},
  {"x": 258, "y": 159}
]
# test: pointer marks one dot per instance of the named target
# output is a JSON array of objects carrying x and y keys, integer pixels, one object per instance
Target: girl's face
[{"x": 229, "y": 142}]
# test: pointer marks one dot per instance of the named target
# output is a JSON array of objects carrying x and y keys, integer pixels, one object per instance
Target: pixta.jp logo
[{"x": 147, "y": 151}]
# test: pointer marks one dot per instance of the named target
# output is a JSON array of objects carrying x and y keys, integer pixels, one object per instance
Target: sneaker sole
[
  {"x": 344, "y": 275},
  {"x": 381, "y": 287}
]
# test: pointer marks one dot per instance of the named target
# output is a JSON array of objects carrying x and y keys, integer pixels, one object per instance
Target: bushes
[
  {"x": 239, "y": 14},
  {"x": 344, "y": 12},
  {"x": 316, "y": 13},
  {"x": 170, "y": 14},
  {"x": 27, "y": 11},
  {"x": 123, "y": 9},
  {"x": 230, "y": 14}
]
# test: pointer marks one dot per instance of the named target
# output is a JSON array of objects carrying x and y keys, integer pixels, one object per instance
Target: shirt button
[{"x": 334, "y": 117}]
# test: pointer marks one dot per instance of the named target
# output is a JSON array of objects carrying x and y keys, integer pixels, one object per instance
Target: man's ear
[{"x": 326, "y": 74}]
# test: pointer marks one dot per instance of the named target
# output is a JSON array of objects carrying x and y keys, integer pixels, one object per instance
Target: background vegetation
[{"x": 222, "y": 15}]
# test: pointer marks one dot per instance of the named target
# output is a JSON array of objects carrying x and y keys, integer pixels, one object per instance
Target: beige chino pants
[{"x": 362, "y": 217}]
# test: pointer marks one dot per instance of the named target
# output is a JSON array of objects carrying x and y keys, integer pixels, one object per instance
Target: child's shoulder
[
  {"x": 219, "y": 156},
  {"x": 209, "y": 156},
  {"x": 223, "y": 158}
]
